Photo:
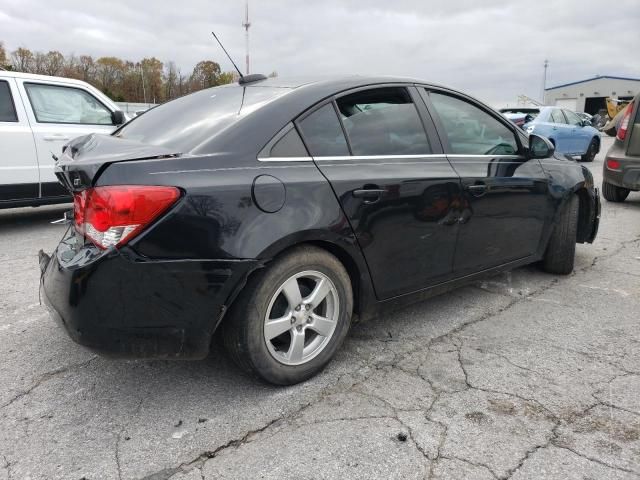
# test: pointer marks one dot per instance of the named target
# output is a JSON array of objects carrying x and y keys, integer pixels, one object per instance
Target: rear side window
[
  {"x": 557, "y": 117},
  {"x": 383, "y": 121},
  {"x": 290, "y": 145},
  {"x": 470, "y": 130},
  {"x": 7, "y": 108},
  {"x": 323, "y": 134},
  {"x": 58, "y": 104}
]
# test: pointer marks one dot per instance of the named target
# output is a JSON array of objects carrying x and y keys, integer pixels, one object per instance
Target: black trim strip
[
  {"x": 19, "y": 191},
  {"x": 53, "y": 189},
  {"x": 34, "y": 202}
]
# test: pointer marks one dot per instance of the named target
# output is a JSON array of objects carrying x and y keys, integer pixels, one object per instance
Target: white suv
[{"x": 38, "y": 115}]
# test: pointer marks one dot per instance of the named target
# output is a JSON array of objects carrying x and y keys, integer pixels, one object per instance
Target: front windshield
[{"x": 186, "y": 122}]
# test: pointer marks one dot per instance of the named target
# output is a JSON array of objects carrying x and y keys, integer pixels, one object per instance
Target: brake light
[
  {"x": 113, "y": 215},
  {"x": 613, "y": 164},
  {"x": 624, "y": 124}
]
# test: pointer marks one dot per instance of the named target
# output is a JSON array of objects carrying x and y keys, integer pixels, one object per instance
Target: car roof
[
  {"x": 33, "y": 76},
  {"x": 316, "y": 87},
  {"x": 333, "y": 80}
]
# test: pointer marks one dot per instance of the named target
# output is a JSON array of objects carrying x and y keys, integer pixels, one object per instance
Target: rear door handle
[
  {"x": 371, "y": 195},
  {"x": 55, "y": 138},
  {"x": 477, "y": 190},
  {"x": 368, "y": 192}
]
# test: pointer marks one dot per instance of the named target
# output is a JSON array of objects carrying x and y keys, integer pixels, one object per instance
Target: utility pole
[
  {"x": 544, "y": 79},
  {"x": 144, "y": 92},
  {"x": 246, "y": 26}
]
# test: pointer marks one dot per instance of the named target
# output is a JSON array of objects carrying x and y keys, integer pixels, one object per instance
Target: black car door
[
  {"x": 505, "y": 194},
  {"x": 393, "y": 182}
]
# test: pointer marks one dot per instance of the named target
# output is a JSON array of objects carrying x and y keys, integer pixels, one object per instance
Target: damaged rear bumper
[{"x": 120, "y": 304}]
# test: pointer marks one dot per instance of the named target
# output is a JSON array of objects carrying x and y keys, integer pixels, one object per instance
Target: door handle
[
  {"x": 55, "y": 138},
  {"x": 371, "y": 195},
  {"x": 477, "y": 190}
]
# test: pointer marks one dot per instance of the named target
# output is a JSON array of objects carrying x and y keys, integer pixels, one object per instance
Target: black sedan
[{"x": 276, "y": 211}]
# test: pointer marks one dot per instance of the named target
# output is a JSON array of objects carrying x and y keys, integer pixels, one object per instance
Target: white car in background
[{"x": 38, "y": 115}]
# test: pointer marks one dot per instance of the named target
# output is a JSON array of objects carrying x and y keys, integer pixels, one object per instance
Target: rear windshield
[{"x": 186, "y": 122}]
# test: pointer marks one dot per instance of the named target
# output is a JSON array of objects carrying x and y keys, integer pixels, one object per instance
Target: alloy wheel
[{"x": 301, "y": 317}]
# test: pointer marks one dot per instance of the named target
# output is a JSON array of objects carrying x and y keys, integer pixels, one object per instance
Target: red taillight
[
  {"x": 113, "y": 215},
  {"x": 624, "y": 124},
  {"x": 613, "y": 164}
]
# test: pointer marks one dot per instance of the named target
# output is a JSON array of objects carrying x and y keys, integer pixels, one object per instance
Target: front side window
[
  {"x": 383, "y": 121},
  {"x": 572, "y": 118},
  {"x": 323, "y": 134},
  {"x": 57, "y": 104},
  {"x": 470, "y": 130},
  {"x": 7, "y": 108},
  {"x": 557, "y": 117}
]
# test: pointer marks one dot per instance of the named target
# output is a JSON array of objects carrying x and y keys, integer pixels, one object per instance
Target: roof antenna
[
  {"x": 243, "y": 78},
  {"x": 228, "y": 56}
]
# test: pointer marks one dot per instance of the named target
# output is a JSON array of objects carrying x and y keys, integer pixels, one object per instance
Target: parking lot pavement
[{"x": 523, "y": 375}]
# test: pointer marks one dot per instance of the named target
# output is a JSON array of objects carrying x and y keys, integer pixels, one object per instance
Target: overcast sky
[{"x": 493, "y": 49}]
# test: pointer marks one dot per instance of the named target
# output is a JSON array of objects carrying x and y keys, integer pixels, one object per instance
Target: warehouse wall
[{"x": 599, "y": 87}]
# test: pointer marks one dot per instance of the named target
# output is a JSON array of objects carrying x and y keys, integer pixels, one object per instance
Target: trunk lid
[{"x": 84, "y": 158}]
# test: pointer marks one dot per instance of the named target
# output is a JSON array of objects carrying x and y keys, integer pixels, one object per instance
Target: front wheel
[
  {"x": 291, "y": 318},
  {"x": 591, "y": 151},
  {"x": 560, "y": 255},
  {"x": 613, "y": 193}
]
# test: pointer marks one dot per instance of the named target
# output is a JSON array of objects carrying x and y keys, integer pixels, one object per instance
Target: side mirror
[
  {"x": 585, "y": 123},
  {"x": 118, "y": 117},
  {"x": 540, "y": 147}
]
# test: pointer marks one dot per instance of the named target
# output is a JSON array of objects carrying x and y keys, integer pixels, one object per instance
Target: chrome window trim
[
  {"x": 285, "y": 159},
  {"x": 465, "y": 155},
  {"x": 430, "y": 155},
  {"x": 377, "y": 157}
]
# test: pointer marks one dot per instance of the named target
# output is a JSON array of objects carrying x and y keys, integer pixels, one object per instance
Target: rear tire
[
  {"x": 559, "y": 257},
  {"x": 592, "y": 151},
  {"x": 269, "y": 304},
  {"x": 613, "y": 193}
]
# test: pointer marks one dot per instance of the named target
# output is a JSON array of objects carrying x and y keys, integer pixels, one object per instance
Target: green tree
[
  {"x": 109, "y": 74},
  {"x": 206, "y": 74},
  {"x": 153, "y": 73}
]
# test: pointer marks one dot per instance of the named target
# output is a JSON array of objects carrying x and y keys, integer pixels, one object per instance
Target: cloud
[{"x": 493, "y": 49}]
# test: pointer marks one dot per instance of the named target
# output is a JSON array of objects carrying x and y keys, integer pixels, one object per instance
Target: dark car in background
[
  {"x": 276, "y": 210},
  {"x": 621, "y": 169}
]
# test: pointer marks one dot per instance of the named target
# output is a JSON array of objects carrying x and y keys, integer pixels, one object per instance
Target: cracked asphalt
[{"x": 524, "y": 375}]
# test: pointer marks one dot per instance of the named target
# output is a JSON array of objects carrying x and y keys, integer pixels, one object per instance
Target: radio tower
[{"x": 246, "y": 26}]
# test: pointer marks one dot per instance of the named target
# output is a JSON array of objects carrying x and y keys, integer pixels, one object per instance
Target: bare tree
[
  {"x": 4, "y": 61},
  {"x": 53, "y": 63},
  {"x": 22, "y": 60},
  {"x": 121, "y": 80}
]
